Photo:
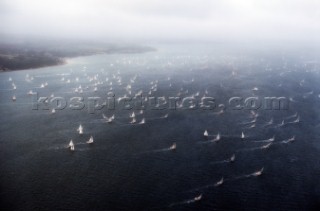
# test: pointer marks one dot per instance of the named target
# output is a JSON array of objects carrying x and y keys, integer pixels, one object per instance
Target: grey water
[{"x": 130, "y": 166}]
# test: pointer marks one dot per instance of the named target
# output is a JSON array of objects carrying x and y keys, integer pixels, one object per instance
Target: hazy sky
[{"x": 295, "y": 20}]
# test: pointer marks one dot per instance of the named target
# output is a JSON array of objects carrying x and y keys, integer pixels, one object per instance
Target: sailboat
[
  {"x": 220, "y": 182},
  {"x": 132, "y": 115},
  {"x": 218, "y": 137},
  {"x": 206, "y": 133},
  {"x": 266, "y": 146},
  {"x": 242, "y": 135},
  {"x": 80, "y": 129},
  {"x": 133, "y": 120},
  {"x": 90, "y": 141},
  {"x": 173, "y": 146},
  {"x": 198, "y": 198},
  {"x": 30, "y": 92},
  {"x": 297, "y": 120},
  {"x": 258, "y": 173},
  {"x": 53, "y": 111},
  {"x": 281, "y": 124},
  {"x": 71, "y": 145},
  {"x": 289, "y": 140},
  {"x": 269, "y": 123},
  {"x": 14, "y": 98},
  {"x": 271, "y": 139},
  {"x": 233, "y": 158},
  {"x": 142, "y": 121},
  {"x": 108, "y": 119}
]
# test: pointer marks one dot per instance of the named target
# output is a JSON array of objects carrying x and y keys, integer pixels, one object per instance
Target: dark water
[{"x": 129, "y": 167}]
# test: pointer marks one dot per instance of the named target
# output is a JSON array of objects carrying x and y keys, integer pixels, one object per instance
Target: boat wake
[
  {"x": 250, "y": 122},
  {"x": 161, "y": 117},
  {"x": 222, "y": 180},
  {"x": 171, "y": 148},
  {"x": 289, "y": 140},
  {"x": 254, "y": 174},
  {"x": 216, "y": 139},
  {"x": 230, "y": 160},
  {"x": 256, "y": 148},
  {"x": 266, "y": 140},
  {"x": 193, "y": 200},
  {"x": 216, "y": 184}
]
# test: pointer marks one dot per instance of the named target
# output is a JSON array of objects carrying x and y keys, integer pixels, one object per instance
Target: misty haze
[{"x": 159, "y": 105}]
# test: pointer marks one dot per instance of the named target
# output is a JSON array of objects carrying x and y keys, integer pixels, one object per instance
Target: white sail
[
  {"x": 242, "y": 135},
  {"x": 281, "y": 124},
  {"x": 198, "y": 198},
  {"x": 142, "y": 121},
  {"x": 80, "y": 129},
  {"x": 173, "y": 146},
  {"x": 90, "y": 141},
  {"x": 218, "y": 137},
  {"x": 108, "y": 119},
  {"x": 205, "y": 133},
  {"x": 257, "y": 173},
  {"x": 71, "y": 145},
  {"x": 220, "y": 182},
  {"x": 233, "y": 158},
  {"x": 133, "y": 120}
]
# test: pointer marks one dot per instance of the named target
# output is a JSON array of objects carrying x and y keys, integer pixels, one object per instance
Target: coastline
[{"x": 20, "y": 60}]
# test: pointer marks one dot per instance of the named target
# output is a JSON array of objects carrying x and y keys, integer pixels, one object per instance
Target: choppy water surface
[{"x": 274, "y": 165}]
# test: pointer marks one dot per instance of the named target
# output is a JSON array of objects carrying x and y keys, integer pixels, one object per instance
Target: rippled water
[{"x": 130, "y": 166}]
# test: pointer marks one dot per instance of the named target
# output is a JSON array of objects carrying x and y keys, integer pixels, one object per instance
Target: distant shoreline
[{"x": 25, "y": 57}]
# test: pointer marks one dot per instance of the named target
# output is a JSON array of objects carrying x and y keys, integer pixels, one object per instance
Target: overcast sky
[{"x": 294, "y": 20}]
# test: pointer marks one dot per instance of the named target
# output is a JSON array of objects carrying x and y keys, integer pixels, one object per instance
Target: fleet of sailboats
[{"x": 136, "y": 116}]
